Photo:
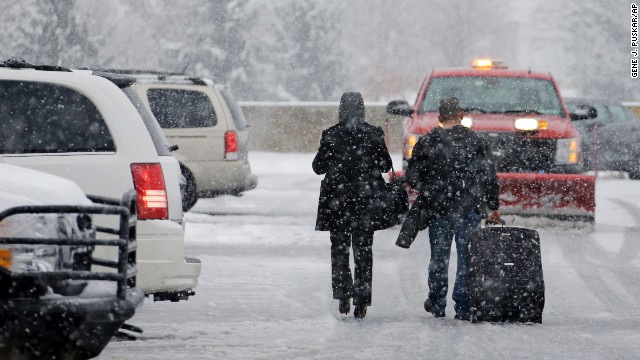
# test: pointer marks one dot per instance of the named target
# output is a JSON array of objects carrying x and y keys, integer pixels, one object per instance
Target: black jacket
[
  {"x": 430, "y": 171},
  {"x": 353, "y": 155}
]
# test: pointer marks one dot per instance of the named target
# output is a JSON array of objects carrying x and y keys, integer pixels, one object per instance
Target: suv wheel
[
  {"x": 190, "y": 193},
  {"x": 634, "y": 172}
]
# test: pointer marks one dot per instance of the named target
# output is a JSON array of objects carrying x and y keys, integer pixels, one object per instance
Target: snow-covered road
[{"x": 265, "y": 291}]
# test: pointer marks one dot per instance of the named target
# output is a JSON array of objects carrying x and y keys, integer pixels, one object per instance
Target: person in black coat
[{"x": 353, "y": 156}]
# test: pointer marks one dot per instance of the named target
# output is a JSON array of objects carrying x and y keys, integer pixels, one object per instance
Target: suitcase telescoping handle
[{"x": 487, "y": 224}]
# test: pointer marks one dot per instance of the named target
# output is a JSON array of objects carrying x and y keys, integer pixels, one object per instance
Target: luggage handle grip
[{"x": 487, "y": 224}]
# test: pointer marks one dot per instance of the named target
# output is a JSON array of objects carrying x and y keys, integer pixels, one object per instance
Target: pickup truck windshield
[{"x": 492, "y": 94}]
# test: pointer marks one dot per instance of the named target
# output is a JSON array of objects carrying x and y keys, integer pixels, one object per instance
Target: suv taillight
[
  {"x": 231, "y": 145},
  {"x": 152, "y": 194}
]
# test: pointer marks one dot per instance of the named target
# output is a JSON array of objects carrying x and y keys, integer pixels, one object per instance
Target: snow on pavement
[{"x": 265, "y": 289}]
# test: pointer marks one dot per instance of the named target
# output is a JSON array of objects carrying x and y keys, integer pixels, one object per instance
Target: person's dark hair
[
  {"x": 449, "y": 108},
  {"x": 351, "y": 107}
]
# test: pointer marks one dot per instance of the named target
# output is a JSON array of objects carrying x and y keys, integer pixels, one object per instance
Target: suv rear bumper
[
  {"x": 89, "y": 322},
  {"x": 160, "y": 277},
  {"x": 161, "y": 263},
  {"x": 218, "y": 177},
  {"x": 160, "y": 258}
]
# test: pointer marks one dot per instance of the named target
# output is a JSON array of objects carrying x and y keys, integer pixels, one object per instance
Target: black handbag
[
  {"x": 391, "y": 203},
  {"x": 417, "y": 219}
]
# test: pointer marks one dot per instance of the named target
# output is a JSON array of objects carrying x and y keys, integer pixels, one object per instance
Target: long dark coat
[{"x": 353, "y": 155}]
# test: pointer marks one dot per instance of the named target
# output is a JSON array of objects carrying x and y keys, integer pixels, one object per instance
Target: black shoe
[
  {"x": 462, "y": 317},
  {"x": 345, "y": 306},
  {"x": 428, "y": 307},
  {"x": 360, "y": 311}
]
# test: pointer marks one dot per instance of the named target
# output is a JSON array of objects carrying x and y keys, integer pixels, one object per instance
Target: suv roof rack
[
  {"x": 155, "y": 75},
  {"x": 121, "y": 81},
  {"x": 17, "y": 63},
  {"x": 139, "y": 72}
]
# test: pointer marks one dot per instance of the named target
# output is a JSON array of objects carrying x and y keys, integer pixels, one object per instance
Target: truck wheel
[{"x": 190, "y": 191}]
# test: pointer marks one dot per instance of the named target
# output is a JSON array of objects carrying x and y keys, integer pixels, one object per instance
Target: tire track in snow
[
  {"x": 621, "y": 264},
  {"x": 631, "y": 245},
  {"x": 446, "y": 334},
  {"x": 576, "y": 251},
  {"x": 580, "y": 250}
]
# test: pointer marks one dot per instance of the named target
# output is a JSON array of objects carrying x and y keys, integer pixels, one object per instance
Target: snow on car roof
[{"x": 21, "y": 186}]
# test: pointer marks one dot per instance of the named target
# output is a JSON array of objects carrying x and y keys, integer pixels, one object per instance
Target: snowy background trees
[{"x": 290, "y": 50}]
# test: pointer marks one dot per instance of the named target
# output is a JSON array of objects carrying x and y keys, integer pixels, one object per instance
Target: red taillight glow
[
  {"x": 231, "y": 145},
  {"x": 152, "y": 194}
]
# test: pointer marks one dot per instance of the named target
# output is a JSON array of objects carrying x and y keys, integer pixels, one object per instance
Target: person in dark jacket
[
  {"x": 353, "y": 156},
  {"x": 452, "y": 167}
]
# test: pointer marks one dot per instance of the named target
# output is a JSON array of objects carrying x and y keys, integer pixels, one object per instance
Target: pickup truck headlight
[
  {"x": 568, "y": 151},
  {"x": 467, "y": 121},
  {"x": 531, "y": 124},
  {"x": 33, "y": 257}
]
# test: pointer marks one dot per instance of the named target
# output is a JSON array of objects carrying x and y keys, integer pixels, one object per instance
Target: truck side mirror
[
  {"x": 399, "y": 107},
  {"x": 584, "y": 112}
]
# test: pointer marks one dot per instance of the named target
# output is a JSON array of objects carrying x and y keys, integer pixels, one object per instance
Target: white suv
[
  {"x": 209, "y": 128},
  {"x": 97, "y": 133}
]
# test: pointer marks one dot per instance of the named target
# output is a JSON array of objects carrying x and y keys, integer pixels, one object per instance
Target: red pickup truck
[{"x": 523, "y": 117}]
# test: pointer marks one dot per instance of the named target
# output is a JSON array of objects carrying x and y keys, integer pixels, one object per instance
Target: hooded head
[{"x": 351, "y": 107}]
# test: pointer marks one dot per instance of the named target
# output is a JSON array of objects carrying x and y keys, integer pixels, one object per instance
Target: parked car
[
  {"x": 618, "y": 135},
  {"x": 95, "y": 131},
  {"x": 52, "y": 305},
  {"x": 206, "y": 123}
]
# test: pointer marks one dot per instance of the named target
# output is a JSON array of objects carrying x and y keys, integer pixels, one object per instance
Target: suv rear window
[
  {"x": 178, "y": 108},
  {"x": 47, "y": 118}
]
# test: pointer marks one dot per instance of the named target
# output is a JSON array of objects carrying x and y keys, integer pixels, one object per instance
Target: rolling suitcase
[{"x": 505, "y": 275}]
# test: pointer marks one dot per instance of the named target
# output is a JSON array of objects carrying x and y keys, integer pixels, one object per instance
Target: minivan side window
[
  {"x": 178, "y": 108},
  {"x": 39, "y": 117}
]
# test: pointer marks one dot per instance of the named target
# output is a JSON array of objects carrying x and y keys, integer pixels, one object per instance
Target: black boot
[
  {"x": 345, "y": 306},
  {"x": 428, "y": 307},
  {"x": 360, "y": 311}
]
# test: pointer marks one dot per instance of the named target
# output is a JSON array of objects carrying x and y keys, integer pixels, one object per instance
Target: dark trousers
[{"x": 344, "y": 286}]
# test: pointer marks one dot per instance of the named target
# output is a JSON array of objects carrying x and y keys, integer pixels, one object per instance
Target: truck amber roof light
[{"x": 487, "y": 64}]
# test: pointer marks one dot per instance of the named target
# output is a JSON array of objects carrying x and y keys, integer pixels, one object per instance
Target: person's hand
[{"x": 494, "y": 217}]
